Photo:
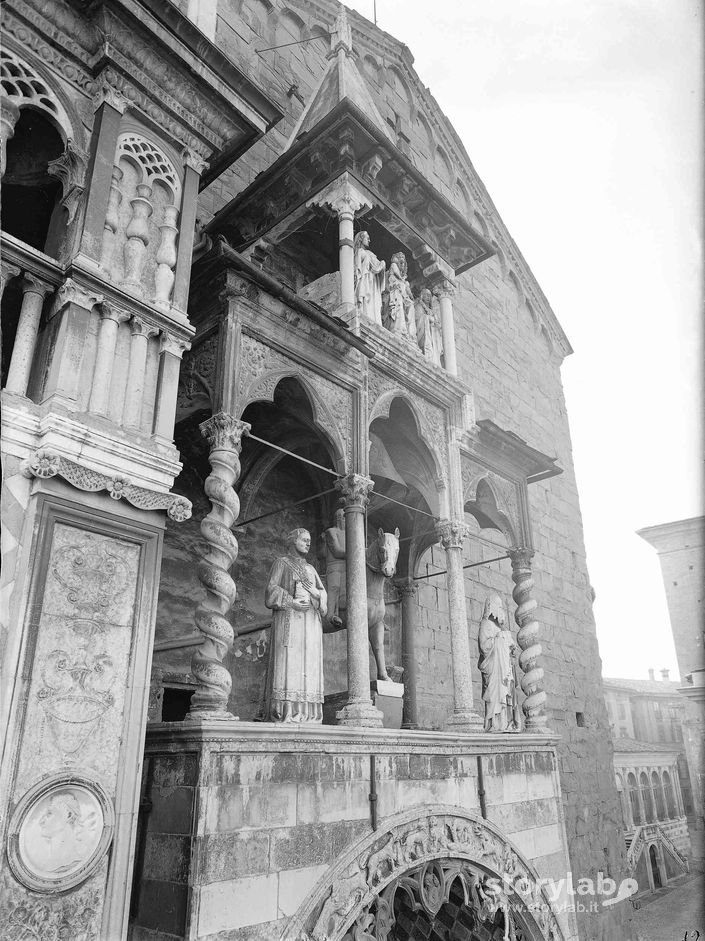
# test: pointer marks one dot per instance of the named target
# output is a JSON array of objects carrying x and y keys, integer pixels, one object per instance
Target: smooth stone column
[
  {"x": 409, "y": 611},
  {"x": 110, "y": 320},
  {"x": 527, "y": 638},
  {"x": 345, "y": 209},
  {"x": 34, "y": 290},
  {"x": 445, "y": 292},
  {"x": 451, "y": 534},
  {"x": 170, "y": 352},
  {"x": 359, "y": 710},
  {"x": 132, "y": 409}
]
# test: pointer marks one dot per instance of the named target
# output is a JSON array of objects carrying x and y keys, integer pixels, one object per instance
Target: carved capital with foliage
[
  {"x": 451, "y": 533},
  {"x": 224, "y": 431},
  {"x": 356, "y": 489}
]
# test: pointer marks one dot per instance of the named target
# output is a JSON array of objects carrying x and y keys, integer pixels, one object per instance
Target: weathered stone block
[
  {"x": 229, "y": 855},
  {"x": 220, "y": 905}
]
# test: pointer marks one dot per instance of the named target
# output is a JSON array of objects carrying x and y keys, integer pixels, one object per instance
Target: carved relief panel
[{"x": 87, "y": 631}]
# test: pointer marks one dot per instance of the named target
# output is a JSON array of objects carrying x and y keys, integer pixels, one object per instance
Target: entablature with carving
[
  {"x": 166, "y": 69},
  {"x": 405, "y": 204}
]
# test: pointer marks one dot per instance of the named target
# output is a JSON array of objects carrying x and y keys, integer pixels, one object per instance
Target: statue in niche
[
  {"x": 401, "y": 318},
  {"x": 428, "y": 328},
  {"x": 334, "y": 540},
  {"x": 369, "y": 279},
  {"x": 295, "y": 593},
  {"x": 498, "y": 669}
]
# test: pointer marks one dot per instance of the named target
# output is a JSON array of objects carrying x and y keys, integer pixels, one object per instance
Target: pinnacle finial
[{"x": 342, "y": 34}]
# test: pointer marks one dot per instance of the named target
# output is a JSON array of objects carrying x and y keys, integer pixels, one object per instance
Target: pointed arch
[
  {"x": 323, "y": 416},
  {"x": 492, "y": 501},
  {"x": 24, "y": 85}
]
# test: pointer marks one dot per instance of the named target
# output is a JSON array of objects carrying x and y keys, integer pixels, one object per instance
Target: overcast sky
[{"x": 583, "y": 119}]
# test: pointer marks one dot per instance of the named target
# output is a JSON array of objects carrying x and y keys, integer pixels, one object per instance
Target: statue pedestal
[{"x": 387, "y": 696}]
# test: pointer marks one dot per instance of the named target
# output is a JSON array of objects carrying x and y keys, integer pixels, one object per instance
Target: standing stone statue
[
  {"x": 499, "y": 683},
  {"x": 294, "y": 687},
  {"x": 401, "y": 300},
  {"x": 334, "y": 539},
  {"x": 428, "y": 328},
  {"x": 369, "y": 279}
]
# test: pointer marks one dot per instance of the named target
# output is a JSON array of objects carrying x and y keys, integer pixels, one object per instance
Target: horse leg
[{"x": 376, "y": 634}]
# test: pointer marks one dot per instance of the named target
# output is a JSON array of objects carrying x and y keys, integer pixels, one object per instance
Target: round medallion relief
[{"x": 59, "y": 832}]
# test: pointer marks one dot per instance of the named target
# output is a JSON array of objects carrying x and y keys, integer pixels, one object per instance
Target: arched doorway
[{"x": 655, "y": 868}]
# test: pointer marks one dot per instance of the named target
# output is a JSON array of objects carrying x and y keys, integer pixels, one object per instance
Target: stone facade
[{"x": 155, "y": 367}]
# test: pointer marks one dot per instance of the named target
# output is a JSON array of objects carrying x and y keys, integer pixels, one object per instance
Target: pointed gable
[{"x": 341, "y": 80}]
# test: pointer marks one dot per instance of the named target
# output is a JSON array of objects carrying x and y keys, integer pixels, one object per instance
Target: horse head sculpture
[{"x": 381, "y": 560}]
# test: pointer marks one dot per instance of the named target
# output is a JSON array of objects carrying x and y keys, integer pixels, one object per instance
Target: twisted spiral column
[
  {"x": 527, "y": 638},
  {"x": 218, "y": 552}
]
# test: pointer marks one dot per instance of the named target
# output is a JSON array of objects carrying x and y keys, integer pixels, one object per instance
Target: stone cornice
[
  {"x": 507, "y": 453},
  {"x": 277, "y": 737},
  {"x": 151, "y": 53}
]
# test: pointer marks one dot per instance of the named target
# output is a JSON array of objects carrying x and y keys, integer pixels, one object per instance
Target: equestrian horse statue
[{"x": 380, "y": 564}]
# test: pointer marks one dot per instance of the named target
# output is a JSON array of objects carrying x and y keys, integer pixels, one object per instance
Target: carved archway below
[{"x": 422, "y": 854}]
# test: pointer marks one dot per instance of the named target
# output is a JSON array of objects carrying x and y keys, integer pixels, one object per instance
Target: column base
[
  {"x": 536, "y": 728},
  {"x": 208, "y": 715},
  {"x": 465, "y": 722},
  {"x": 360, "y": 714}
]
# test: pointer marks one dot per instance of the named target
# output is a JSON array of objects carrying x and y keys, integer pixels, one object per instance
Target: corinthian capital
[
  {"x": 444, "y": 288},
  {"x": 356, "y": 489},
  {"x": 451, "y": 533},
  {"x": 224, "y": 431}
]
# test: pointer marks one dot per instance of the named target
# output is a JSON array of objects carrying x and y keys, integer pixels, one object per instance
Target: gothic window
[
  {"x": 669, "y": 796},
  {"x": 290, "y": 29},
  {"x": 657, "y": 788},
  {"x": 648, "y": 797},
  {"x": 36, "y": 129},
  {"x": 634, "y": 799}
]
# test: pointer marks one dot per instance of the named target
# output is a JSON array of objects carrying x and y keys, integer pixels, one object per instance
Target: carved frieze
[
  {"x": 45, "y": 463},
  {"x": 423, "y": 857},
  {"x": 197, "y": 376}
]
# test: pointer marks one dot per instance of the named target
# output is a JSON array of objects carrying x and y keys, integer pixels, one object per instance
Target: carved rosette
[
  {"x": 218, "y": 552},
  {"x": 451, "y": 533},
  {"x": 527, "y": 638},
  {"x": 355, "y": 489}
]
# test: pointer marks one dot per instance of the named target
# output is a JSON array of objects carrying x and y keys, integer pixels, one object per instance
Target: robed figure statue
[
  {"x": 295, "y": 593},
  {"x": 369, "y": 279},
  {"x": 498, "y": 669}
]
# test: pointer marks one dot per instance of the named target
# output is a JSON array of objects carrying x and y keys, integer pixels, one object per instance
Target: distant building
[
  {"x": 681, "y": 551},
  {"x": 651, "y": 773}
]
